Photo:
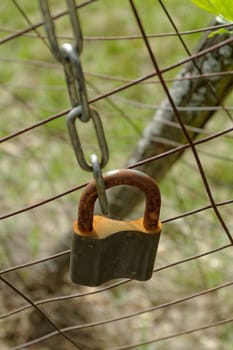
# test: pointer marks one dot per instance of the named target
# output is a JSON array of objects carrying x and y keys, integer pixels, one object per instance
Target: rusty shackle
[{"x": 122, "y": 177}]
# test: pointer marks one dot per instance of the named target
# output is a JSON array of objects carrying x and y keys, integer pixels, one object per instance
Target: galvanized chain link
[
  {"x": 69, "y": 56},
  {"x": 75, "y": 81},
  {"x": 71, "y": 118},
  {"x": 100, "y": 186},
  {"x": 51, "y": 30}
]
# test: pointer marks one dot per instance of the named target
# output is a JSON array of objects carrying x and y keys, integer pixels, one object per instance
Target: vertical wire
[
  {"x": 45, "y": 316},
  {"x": 178, "y": 117}
]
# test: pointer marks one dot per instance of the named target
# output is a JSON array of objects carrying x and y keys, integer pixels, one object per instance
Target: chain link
[
  {"x": 75, "y": 140},
  {"x": 75, "y": 81},
  {"x": 51, "y": 30},
  {"x": 100, "y": 185},
  {"x": 69, "y": 56}
]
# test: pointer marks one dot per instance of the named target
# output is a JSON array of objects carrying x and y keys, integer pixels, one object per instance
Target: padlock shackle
[{"x": 121, "y": 177}]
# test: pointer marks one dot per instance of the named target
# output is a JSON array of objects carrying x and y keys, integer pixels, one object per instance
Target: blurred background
[{"x": 40, "y": 163}]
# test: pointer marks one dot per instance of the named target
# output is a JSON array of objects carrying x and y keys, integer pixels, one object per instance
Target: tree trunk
[{"x": 162, "y": 133}]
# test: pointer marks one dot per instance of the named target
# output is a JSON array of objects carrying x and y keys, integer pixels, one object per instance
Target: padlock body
[{"x": 126, "y": 254}]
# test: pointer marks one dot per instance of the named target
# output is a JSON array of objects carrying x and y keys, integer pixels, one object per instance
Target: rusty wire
[
  {"x": 190, "y": 145},
  {"x": 178, "y": 334},
  {"x": 117, "y": 319},
  {"x": 145, "y": 161},
  {"x": 183, "y": 127},
  {"x": 44, "y": 314},
  {"x": 97, "y": 291},
  {"x": 25, "y": 32},
  {"x": 118, "y": 89}
]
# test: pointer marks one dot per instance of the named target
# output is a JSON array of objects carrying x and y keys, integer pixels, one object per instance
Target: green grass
[{"x": 41, "y": 163}]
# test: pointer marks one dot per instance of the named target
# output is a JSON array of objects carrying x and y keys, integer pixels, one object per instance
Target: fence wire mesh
[{"x": 136, "y": 55}]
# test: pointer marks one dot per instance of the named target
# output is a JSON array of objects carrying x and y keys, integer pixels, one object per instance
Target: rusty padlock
[{"x": 103, "y": 248}]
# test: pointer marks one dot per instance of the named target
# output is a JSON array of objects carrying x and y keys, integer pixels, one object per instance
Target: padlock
[{"x": 104, "y": 249}]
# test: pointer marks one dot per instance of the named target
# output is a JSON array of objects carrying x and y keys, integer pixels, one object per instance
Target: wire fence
[{"x": 122, "y": 314}]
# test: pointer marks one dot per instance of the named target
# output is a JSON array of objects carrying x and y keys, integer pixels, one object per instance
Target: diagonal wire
[
  {"x": 117, "y": 37},
  {"x": 24, "y": 15},
  {"x": 43, "y": 314},
  {"x": 179, "y": 333},
  {"x": 207, "y": 82},
  {"x": 142, "y": 162},
  {"x": 151, "y": 309},
  {"x": 118, "y": 109},
  {"x": 38, "y": 310},
  {"x": 103, "y": 289},
  {"x": 120, "y": 318},
  {"x": 112, "y": 103},
  {"x": 120, "y": 88},
  {"x": 174, "y": 335},
  {"x": 46, "y": 64},
  {"x": 34, "y": 262},
  {"x": 39, "y": 24},
  {"x": 24, "y": 32},
  {"x": 178, "y": 117},
  {"x": 62, "y": 194}
]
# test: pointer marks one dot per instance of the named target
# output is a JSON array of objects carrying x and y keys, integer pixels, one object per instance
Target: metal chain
[
  {"x": 71, "y": 118},
  {"x": 51, "y": 30},
  {"x": 76, "y": 80},
  {"x": 69, "y": 56},
  {"x": 100, "y": 186}
]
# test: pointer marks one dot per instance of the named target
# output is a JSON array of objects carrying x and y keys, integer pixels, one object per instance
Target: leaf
[
  {"x": 220, "y": 31},
  {"x": 222, "y": 8},
  {"x": 205, "y": 5}
]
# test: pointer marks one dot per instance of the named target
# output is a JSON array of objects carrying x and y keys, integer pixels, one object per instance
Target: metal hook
[{"x": 100, "y": 186}]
